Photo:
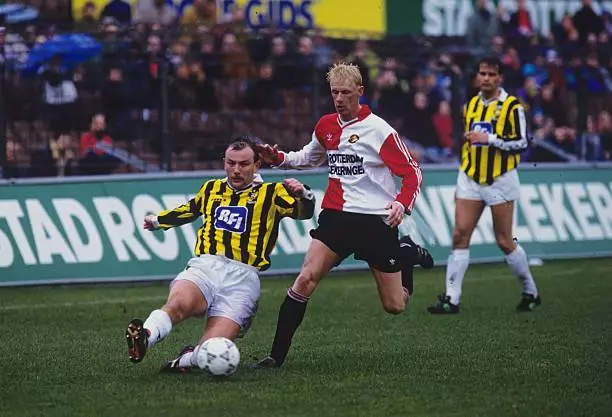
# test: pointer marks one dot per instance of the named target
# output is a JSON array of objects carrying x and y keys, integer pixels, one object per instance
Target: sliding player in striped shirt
[{"x": 240, "y": 227}]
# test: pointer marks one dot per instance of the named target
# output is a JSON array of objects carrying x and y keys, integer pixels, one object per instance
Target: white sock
[
  {"x": 458, "y": 263},
  {"x": 159, "y": 324},
  {"x": 188, "y": 360},
  {"x": 518, "y": 262}
]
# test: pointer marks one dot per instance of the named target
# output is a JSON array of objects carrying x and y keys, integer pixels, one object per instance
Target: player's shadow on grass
[
  {"x": 363, "y": 361},
  {"x": 205, "y": 377}
]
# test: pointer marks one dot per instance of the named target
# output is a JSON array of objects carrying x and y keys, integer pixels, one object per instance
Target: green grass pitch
[{"x": 63, "y": 352}]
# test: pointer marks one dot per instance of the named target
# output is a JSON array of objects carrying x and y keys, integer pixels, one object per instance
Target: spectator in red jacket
[
  {"x": 443, "y": 123},
  {"x": 520, "y": 21},
  {"x": 97, "y": 133}
]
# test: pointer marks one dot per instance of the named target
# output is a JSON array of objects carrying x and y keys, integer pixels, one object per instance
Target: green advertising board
[
  {"x": 89, "y": 229},
  {"x": 450, "y": 17}
]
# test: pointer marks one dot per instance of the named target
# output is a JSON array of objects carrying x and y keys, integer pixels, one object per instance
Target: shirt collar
[
  {"x": 257, "y": 180},
  {"x": 363, "y": 112},
  {"x": 503, "y": 95}
]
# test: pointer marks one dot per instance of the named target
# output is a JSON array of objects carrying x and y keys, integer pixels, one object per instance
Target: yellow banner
[
  {"x": 367, "y": 17},
  {"x": 346, "y": 18},
  {"x": 78, "y": 5}
]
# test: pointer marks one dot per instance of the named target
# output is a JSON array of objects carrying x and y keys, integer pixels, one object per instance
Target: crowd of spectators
[
  {"x": 223, "y": 80},
  {"x": 564, "y": 78}
]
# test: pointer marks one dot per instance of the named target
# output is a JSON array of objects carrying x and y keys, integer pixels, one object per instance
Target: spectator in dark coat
[
  {"x": 119, "y": 10},
  {"x": 587, "y": 21}
]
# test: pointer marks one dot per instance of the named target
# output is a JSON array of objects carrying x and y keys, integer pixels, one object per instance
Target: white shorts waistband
[{"x": 225, "y": 259}]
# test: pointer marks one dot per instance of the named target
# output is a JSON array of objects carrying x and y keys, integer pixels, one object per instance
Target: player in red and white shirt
[
  {"x": 363, "y": 154},
  {"x": 362, "y": 206}
]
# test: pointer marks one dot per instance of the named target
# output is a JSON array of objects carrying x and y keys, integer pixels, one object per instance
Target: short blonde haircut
[{"x": 345, "y": 71}]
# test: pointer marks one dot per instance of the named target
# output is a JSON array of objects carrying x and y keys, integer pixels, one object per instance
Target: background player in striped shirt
[
  {"x": 240, "y": 227},
  {"x": 362, "y": 206},
  {"x": 495, "y": 133}
]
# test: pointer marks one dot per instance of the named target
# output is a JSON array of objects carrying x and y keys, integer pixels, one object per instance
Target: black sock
[
  {"x": 290, "y": 317},
  {"x": 410, "y": 255},
  {"x": 407, "y": 278}
]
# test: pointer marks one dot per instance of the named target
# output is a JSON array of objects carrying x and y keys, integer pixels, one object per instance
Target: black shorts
[{"x": 366, "y": 236}]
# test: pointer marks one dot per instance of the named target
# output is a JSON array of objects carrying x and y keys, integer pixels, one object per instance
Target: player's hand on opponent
[
  {"x": 150, "y": 222},
  {"x": 297, "y": 190},
  {"x": 270, "y": 154},
  {"x": 396, "y": 213},
  {"x": 294, "y": 187},
  {"x": 477, "y": 138}
]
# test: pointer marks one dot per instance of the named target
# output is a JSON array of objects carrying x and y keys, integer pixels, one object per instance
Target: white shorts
[
  {"x": 505, "y": 188},
  {"x": 230, "y": 288}
]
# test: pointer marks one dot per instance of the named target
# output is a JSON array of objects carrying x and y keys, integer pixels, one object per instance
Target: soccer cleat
[
  {"x": 172, "y": 366},
  {"x": 444, "y": 306},
  {"x": 266, "y": 363},
  {"x": 528, "y": 302},
  {"x": 137, "y": 339},
  {"x": 418, "y": 255}
]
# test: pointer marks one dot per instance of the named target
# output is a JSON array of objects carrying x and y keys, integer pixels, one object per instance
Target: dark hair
[
  {"x": 491, "y": 61},
  {"x": 242, "y": 142}
]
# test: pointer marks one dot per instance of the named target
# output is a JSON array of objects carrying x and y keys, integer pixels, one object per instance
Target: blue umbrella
[
  {"x": 18, "y": 13},
  {"x": 73, "y": 49}
]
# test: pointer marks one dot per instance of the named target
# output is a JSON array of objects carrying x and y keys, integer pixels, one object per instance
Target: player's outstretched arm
[
  {"x": 310, "y": 156},
  {"x": 183, "y": 214},
  {"x": 301, "y": 202},
  {"x": 168, "y": 219}
]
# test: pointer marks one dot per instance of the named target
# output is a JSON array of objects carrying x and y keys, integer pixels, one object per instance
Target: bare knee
[
  {"x": 461, "y": 237},
  {"x": 394, "y": 307},
  {"x": 184, "y": 303},
  {"x": 177, "y": 310},
  {"x": 506, "y": 244},
  {"x": 306, "y": 282}
]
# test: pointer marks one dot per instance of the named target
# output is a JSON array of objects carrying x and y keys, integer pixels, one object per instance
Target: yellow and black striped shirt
[
  {"x": 504, "y": 119},
  {"x": 239, "y": 224}
]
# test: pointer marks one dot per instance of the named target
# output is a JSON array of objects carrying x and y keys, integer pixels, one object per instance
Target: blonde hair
[{"x": 345, "y": 71}]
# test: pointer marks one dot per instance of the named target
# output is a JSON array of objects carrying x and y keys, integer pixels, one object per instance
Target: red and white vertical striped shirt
[{"x": 363, "y": 156}]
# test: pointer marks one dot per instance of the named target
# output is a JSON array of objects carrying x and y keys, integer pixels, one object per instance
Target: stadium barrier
[{"x": 88, "y": 229}]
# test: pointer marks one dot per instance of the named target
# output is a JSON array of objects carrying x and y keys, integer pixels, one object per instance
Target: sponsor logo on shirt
[
  {"x": 486, "y": 127},
  {"x": 341, "y": 164},
  {"x": 231, "y": 218}
]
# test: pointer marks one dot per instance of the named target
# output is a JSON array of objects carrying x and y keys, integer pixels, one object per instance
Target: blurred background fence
[{"x": 164, "y": 86}]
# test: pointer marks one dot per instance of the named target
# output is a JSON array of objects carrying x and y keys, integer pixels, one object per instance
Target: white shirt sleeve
[{"x": 310, "y": 156}]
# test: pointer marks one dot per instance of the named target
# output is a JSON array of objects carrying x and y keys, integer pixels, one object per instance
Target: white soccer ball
[{"x": 218, "y": 356}]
